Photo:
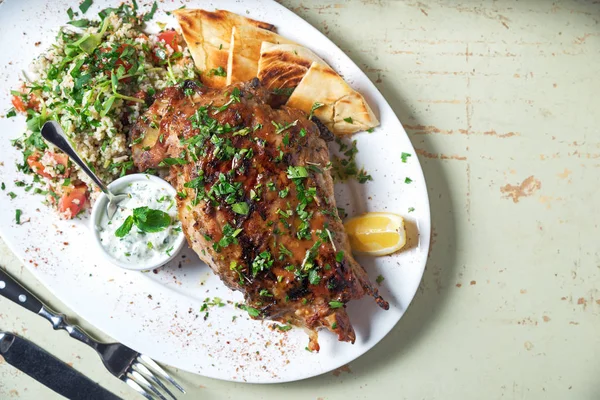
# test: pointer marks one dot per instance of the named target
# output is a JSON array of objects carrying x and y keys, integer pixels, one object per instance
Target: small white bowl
[{"x": 99, "y": 210}]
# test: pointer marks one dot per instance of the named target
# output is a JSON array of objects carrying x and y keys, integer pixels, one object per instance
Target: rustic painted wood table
[{"x": 501, "y": 101}]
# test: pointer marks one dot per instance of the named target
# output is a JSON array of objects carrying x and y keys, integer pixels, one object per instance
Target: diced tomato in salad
[
  {"x": 17, "y": 102},
  {"x": 34, "y": 163},
  {"x": 73, "y": 201},
  {"x": 21, "y": 106},
  {"x": 169, "y": 37}
]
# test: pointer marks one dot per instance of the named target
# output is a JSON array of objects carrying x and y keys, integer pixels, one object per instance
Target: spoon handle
[{"x": 52, "y": 132}]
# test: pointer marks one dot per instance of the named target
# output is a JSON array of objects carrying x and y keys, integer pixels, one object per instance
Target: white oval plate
[{"x": 158, "y": 313}]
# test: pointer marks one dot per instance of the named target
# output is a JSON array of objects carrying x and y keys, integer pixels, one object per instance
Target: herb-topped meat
[{"x": 256, "y": 201}]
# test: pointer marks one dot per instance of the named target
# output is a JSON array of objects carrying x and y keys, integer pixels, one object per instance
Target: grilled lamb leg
[{"x": 256, "y": 202}]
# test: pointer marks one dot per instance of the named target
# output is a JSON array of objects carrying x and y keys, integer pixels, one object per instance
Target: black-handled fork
[{"x": 128, "y": 365}]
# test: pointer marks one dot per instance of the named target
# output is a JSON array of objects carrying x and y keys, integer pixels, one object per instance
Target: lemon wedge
[{"x": 376, "y": 233}]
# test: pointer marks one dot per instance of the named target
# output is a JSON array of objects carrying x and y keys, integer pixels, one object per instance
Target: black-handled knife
[
  {"x": 49, "y": 370},
  {"x": 11, "y": 289}
]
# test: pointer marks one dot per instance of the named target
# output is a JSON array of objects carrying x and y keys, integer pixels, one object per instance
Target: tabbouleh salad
[{"x": 94, "y": 81}]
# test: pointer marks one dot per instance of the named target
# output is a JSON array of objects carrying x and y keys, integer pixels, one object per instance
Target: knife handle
[{"x": 13, "y": 291}]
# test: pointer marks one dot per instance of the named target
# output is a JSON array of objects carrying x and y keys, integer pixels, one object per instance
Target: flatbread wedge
[
  {"x": 342, "y": 109},
  {"x": 244, "y": 51},
  {"x": 208, "y": 34},
  {"x": 282, "y": 66}
]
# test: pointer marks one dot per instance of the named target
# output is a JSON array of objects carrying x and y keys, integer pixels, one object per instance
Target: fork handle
[{"x": 12, "y": 290}]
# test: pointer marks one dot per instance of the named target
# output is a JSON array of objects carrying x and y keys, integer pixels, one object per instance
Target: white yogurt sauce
[{"x": 138, "y": 246}]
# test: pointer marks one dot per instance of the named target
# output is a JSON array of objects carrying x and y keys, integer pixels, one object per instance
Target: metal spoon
[{"x": 52, "y": 132}]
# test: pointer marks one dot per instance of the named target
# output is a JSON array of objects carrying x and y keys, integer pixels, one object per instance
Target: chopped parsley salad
[{"x": 99, "y": 75}]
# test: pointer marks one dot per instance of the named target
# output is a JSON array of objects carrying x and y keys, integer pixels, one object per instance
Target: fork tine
[
  {"x": 150, "y": 363},
  {"x": 136, "y": 376},
  {"x": 137, "y": 388},
  {"x": 141, "y": 368}
]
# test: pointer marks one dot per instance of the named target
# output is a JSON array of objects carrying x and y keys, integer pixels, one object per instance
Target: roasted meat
[{"x": 256, "y": 201}]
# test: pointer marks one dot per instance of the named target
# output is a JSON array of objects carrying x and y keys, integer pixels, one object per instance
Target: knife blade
[{"x": 49, "y": 370}]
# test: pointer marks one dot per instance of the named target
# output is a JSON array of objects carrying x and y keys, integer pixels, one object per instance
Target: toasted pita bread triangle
[
  {"x": 282, "y": 66},
  {"x": 344, "y": 111},
  {"x": 244, "y": 51},
  {"x": 208, "y": 34}
]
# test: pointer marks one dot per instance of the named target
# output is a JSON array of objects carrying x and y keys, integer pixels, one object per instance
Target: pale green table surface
[{"x": 501, "y": 100}]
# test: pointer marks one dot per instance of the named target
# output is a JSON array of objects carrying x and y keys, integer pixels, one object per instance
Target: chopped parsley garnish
[
  {"x": 229, "y": 192},
  {"x": 2, "y": 186},
  {"x": 363, "y": 177},
  {"x": 305, "y": 197},
  {"x": 345, "y": 167},
  {"x": 18, "y": 214},
  {"x": 279, "y": 128},
  {"x": 262, "y": 262},
  {"x": 235, "y": 95},
  {"x": 229, "y": 237},
  {"x": 216, "y": 301},
  {"x": 407, "y": 180},
  {"x": 316, "y": 105},
  {"x": 349, "y": 120},
  {"x": 80, "y": 23},
  {"x": 379, "y": 279},
  {"x": 240, "y": 208},
  {"x": 411, "y": 209},
  {"x": 404, "y": 156},
  {"x": 371, "y": 130},
  {"x": 84, "y": 6},
  {"x": 253, "y": 312},
  {"x": 284, "y": 192},
  {"x": 234, "y": 266},
  {"x": 11, "y": 113},
  {"x": 217, "y": 71},
  {"x": 242, "y": 132},
  {"x": 12, "y": 195},
  {"x": 336, "y": 304},
  {"x": 313, "y": 277},
  {"x": 172, "y": 161},
  {"x": 297, "y": 172},
  {"x": 334, "y": 325},
  {"x": 284, "y": 328},
  {"x": 265, "y": 293},
  {"x": 150, "y": 15},
  {"x": 146, "y": 220},
  {"x": 284, "y": 252},
  {"x": 196, "y": 183},
  {"x": 339, "y": 256}
]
